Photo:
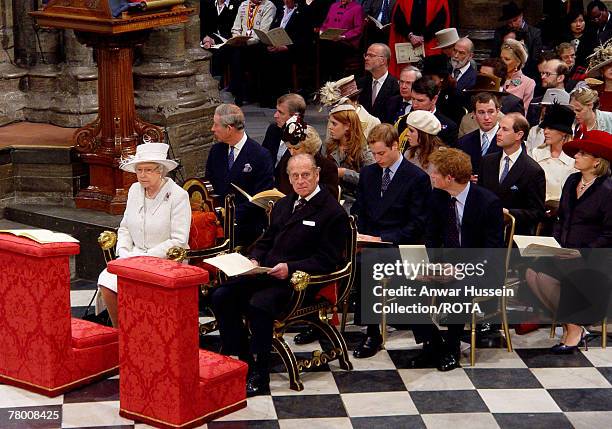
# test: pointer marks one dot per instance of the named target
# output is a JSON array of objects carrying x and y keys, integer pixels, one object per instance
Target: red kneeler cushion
[
  {"x": 205, "y": 230},
  {"x": 87, "y": 334}
]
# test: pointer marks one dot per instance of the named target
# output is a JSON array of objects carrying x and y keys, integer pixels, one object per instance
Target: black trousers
[
  {"x": 431, "y": 335},
  {"x": 259, "y": 299}
]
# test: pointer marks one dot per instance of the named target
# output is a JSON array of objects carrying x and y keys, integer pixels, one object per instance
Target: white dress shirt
[
  {"x": 513, "y": 158},
  {"x": 237, "y": 146}
]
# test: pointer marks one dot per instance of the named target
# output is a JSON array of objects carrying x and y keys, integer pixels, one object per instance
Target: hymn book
[
  {"x": 377, "y": 23},
  {"x": 275, "y": 37},
  {"x": 533, "y": 246},
  {"x": 331, "y": 33},
  {"x": 406, "y": 53},
  {"x": 263, "y": 198},
  {"x": 235, "y": 264},
  {"x": 234, "y": 41},
  {"x": 42, "y": 236}
]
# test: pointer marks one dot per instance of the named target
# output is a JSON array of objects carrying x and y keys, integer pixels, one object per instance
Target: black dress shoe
[
  {"x": 257, "y": 384},
  {"x": 448, "y": 361},
  {"x": 368, "y": 347},
  {"x": 310, "y": 335}
]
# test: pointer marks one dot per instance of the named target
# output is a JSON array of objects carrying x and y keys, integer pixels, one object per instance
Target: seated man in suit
[
  {"x": 286, "y": 106},
  {"x": 424, "y": 97},
  {"x": 377, "y": 86},
  {"x": 482, "y": 141},
  {"x": 239, "y": 160},
  {"x": 461, "y": 215},
  {"x": 390, "y": 206},
  {"x": 308, "y": 232},
  {"x": 514, "y": 177},
  {"x": 463, "y": 72},
  {"x": 400, "y": 105}
]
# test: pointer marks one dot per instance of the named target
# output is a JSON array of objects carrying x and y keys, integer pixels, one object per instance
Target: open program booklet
[
  {"x": 263, "y": 198},
  {"x": 234, "y": 264},
  {"x": 532, "y": 246},
  {"x": 42, "y": 236}
]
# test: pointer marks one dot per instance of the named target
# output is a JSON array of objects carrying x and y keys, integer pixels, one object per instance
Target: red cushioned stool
[
  {"x": 165, "y": 379},
  {"x": 42, "y": 348}
]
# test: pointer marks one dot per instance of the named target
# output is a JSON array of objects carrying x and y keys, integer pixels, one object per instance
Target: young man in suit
[
  {"x": 424, "y": 97},
  {"x": 514, "y": 177},
  {"x": 308, "y": 232},
  {"x": 461, "y": 215},
  {"x": 390, "y": 206},
  {"x": 286, "y": 106},
  {"x": 483, "y": 141},
  {"x": 377, "y": 86},
  {"x": 240, "y": 160}
]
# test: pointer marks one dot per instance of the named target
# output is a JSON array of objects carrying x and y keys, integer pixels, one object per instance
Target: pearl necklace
[{"x": 584, "y": 185}]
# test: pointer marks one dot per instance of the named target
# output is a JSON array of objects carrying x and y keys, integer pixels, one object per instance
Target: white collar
[
  {"x": 464, "y": 68},
  {"x": 311, "y": 195},
  {"x": 491, "y": 133},
  {"x": 381, "y": 79},
  {"x": 514, "y": 156},
  {"x": 462, "y": 196},
  {"x": 238, "y": 146},
  {"x": 541, "y": 154}
]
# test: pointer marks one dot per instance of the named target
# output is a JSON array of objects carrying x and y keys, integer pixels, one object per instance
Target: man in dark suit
[
  {"x": 600, "y": 16},
  {"x": 277, "y": 61},
  {"x": 463, "y": 72},
  {"x": 483, "y": 141},
  {"x": 381, "y": 11},
  {"x": 400, "y": 105},
  {"x": 461, "y": 216},
  {"x": 512, "y": 14},
  {"x": 514, "y": 177},
  {"x": 217, "y": 16},
  {"x": 240, "y": 160},
  {"x": 424, "y": 97},
  {"x": 308, "y": 232},
  {"x": 378, "y": 86},
  {"x": 390, "y": 206},
  {"x": 286, "y": 106}
]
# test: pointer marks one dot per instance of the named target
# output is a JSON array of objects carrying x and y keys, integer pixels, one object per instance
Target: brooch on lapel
[
  {"x": 514, "y": 188},
  {"x": 247, "y": 168},
  {"x": 231, "y": 7},
  {"x": 516, "y": 82}
]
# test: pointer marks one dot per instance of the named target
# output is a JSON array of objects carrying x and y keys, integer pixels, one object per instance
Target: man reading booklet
[{"x": 308, "y": 232}]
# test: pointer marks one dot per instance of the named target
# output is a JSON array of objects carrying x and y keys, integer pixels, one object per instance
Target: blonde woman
[
  {"x": 585, "y": 102},
  {"x": 514, "y": 55}
]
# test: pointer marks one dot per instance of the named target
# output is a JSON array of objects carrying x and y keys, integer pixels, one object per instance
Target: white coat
[{"x": 152, "y": 229}]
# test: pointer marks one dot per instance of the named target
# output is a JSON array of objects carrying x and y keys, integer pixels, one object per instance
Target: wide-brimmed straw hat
[
  {"x": 597, "y": 143},
  {"x": 149, "y": 152}
]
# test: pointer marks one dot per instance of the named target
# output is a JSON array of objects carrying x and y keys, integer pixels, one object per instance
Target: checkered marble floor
[{"x": 528, "y": 388}]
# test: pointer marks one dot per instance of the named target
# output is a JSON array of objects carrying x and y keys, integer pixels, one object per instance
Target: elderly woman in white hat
[
  {"x": 420, "y": 138},
  {"x": 514, "y": 55},
  {"x": 157, "y": 215}
]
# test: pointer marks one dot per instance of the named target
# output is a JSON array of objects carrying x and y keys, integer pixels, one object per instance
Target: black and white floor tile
[{"x": 527, "y": 388}]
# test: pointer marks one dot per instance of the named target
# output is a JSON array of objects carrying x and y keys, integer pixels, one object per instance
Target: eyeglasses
[
  {"x": 547, "y": 74},
  {"x": 368, "y": 55}
]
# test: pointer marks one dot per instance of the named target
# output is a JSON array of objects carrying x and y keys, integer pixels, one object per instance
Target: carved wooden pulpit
[{"x": 117, "y": 130}]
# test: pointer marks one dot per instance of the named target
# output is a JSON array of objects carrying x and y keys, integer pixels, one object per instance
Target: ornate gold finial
[
  {"x": 300, "y": 280},
  {"x": 176, "y": 253},
  {"x": 107, "y": 240}
]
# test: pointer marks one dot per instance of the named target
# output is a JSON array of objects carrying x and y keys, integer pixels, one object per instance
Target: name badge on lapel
[{"x": 308, "y": 222}]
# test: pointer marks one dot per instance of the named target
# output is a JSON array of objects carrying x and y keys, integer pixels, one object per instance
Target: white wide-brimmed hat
[{"x": 149, "y": 152}]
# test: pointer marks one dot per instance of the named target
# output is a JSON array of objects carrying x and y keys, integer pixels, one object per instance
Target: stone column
[
  {"x": 40, "y": 50},
  {"x": 174, "y": 89},
  {"x": 12, "y": 98},
  {"x": 75, "y": 103}
]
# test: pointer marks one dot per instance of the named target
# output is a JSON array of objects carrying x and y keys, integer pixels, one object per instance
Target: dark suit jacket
[
  {"x": 298, "y": 28},
  {"x": 585, "y": 222},
  {"x": 394, "y": 108},
  {"x": 449, "y": 131},
  {"x": 388, "y": 89},
  {"x": 468, "y": 79},
  {"x": 400, "y": 214},
  {"x": 312, "y": 239},
  {"x": 482, "y": 226},
  {"x": 605, "y": 33},
  {"x": 522, "y": 192},
  {"x": 211, "y": 23},
  {"x": 272, "y": 140},
  {"x": 257, "y": 177},
  {"x": 471, "y": 144},
  {"x": 372, "y": 7},
  {"x": 533, "y": 113}
]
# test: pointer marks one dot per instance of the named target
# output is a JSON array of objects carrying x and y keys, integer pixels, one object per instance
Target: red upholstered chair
[
  {"x": 166, "y": 380},
  {"x": 42, "y": 348}
]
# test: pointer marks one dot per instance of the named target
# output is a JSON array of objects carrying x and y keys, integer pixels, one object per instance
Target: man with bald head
[
  {"x": 377, "y": 86},
  {"x": 553, "y": 74},
  {"x": 463, "y": 70}
]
